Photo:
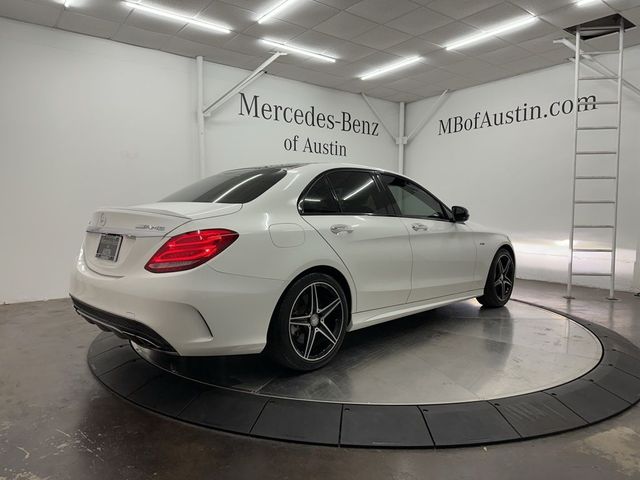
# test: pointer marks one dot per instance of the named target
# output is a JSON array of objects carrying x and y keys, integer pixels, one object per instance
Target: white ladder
[{"x": 583, "y": 33}]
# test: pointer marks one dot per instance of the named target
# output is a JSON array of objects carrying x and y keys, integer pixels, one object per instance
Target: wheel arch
[
  {"x": 490, "y": 297},
  {"x": 332, "y": 272},
  {"x": 328, "y": 270},
  {"x": 509, "y": 247}
]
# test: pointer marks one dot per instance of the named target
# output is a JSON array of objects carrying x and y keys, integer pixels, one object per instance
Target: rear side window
[
  {"x": 358, "y": 193},
  {"x": 232, "y": 186},
  {"x": 319, "y": 200}
]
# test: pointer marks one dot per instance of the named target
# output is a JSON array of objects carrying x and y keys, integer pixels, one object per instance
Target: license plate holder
[{"x": 109, "y": 247}]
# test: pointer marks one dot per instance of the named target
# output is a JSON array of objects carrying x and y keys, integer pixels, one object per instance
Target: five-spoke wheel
[
  {"x": 310, "y": 323},
  {"x": 316, "y": 321},
  {"x": 504, "y": 275},
  {"x": 499, "y": 285}
]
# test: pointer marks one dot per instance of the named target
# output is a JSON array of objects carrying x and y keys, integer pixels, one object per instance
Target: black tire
[
  {"x": 301, "y": 317},
  {"x": 499, "y": 285}
]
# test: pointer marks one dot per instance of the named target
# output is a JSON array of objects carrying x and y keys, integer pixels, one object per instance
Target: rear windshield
[{"x": 232, "y": 186}]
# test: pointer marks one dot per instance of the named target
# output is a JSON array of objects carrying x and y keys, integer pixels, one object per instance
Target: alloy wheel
[
  {"x": 316, "y": 321},
  {"x": 504, "y": 277}
]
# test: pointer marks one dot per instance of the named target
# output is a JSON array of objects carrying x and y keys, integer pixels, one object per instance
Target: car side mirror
[{"x": 460, "y": 214}]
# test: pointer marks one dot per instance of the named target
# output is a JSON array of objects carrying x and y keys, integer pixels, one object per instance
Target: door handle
[
  {"x": 417, "y": 227},
  {"x": 341, "y": 228}
]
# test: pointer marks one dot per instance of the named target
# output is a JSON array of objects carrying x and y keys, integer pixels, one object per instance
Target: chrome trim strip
[
  {"x": 127, "y": 232},
  {"x": 155, "y": 211}
]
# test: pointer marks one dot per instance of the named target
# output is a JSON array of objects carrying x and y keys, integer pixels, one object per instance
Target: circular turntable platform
[{"x": 457, "y": 375}]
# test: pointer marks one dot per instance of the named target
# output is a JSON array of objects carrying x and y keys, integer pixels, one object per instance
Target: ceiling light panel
[
  {"x": 175, "y": 16},
  {"x": 494, "y": 32},
  {"x": 299, "y": 51},
  {"x": 390, "y": 68},
  {"x": 275, "y": 10}
]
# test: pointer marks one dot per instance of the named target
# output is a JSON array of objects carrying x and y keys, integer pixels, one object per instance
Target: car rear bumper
[
  {"x": 123, "y": 327},
  {"x": 199, "y": 312}
]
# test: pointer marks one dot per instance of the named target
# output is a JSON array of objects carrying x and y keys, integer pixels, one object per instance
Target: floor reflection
[{"x": 457, "y": 353}]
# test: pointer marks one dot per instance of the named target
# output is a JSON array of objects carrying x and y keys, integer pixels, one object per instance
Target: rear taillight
[{"x": 189, "y": 250}]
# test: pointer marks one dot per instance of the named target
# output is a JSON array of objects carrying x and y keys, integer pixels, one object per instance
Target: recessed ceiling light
[
  {"x": 478, "y": 37},
  {"x": 299, "y": 50},
  {"x": 390, "y": 68},
  {"x": 174, "y": 16},
  {"x": 66, "y": 3},
  {"x": 582, "y": 3},
  {"x": 275, "y": 10}
]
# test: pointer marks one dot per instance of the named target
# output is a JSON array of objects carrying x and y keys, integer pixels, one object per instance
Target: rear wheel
[
  {"x": 499, "y": 285},
  {"x": 309, "y": 324}
]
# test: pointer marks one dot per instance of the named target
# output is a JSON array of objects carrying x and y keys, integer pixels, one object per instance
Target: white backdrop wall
[
  {"x": 518, "y": 177},
  {"x": 234, "y": 140},
  {"x": 86, "y": 122}
]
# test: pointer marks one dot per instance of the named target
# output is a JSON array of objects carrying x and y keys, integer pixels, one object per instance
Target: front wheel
[
  {"x": 499, "y": 286},
  {"x": 309, "y": 325}
]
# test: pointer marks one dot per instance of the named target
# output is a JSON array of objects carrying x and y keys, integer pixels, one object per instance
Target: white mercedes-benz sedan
[{"x": 289, "y": 258}]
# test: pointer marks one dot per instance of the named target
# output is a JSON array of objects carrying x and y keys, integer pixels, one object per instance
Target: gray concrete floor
[{"x": 58, "y": 422}]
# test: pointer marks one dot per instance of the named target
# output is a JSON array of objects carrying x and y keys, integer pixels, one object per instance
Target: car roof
[
  {"x": 323, "y": 166},
  {"x": 317, "y": 167}
]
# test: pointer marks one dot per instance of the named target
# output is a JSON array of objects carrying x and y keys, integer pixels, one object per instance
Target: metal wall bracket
[
  {"x": 252, "y": 77},
  {"x": 402, "y": 139},
  {"x": 206, "y": 111}
]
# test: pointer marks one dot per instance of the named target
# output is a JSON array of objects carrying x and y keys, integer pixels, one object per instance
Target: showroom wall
[
  {"x": 87, "y": 122},
  {"x": 517, "y": 176},
  {"x": 276, "y": 120}
]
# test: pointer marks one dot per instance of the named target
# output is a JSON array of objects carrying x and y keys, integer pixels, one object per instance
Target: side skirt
[{"x": 373, "y": 317}]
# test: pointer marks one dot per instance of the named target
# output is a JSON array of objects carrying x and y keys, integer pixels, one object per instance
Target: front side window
[
  {"x": 233, "y": 186},
  {"x": 319, "y": 200},
  {"x": 358, "y": 193},
  {"x": 413, "y": 201}
]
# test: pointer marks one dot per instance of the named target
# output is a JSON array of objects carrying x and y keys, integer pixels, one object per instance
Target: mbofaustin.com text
[{"x": 522, "y": 113}]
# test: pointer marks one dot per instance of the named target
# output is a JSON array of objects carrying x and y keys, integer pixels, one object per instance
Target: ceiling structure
[{"x": 362, "y": 35}]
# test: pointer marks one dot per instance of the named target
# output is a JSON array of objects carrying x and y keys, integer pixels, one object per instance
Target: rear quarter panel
[{"x": 291, "y": 247}]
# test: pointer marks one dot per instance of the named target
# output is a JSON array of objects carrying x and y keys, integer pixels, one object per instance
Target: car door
[
  {"x": 356, "y": 218},
  {"x": 444, "y": 252}
]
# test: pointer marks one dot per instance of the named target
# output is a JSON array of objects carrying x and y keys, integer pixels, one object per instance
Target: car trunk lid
[{"x": 121, "y": 240}]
